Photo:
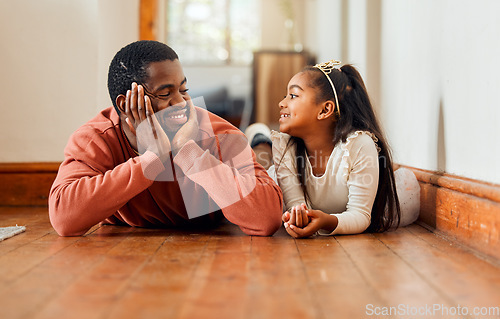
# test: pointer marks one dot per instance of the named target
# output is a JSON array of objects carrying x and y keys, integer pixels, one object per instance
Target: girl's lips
[{"x": 284, "y": 116}]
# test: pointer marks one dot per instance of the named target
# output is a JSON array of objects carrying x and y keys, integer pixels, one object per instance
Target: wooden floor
[{"x": 122, "y": 272}]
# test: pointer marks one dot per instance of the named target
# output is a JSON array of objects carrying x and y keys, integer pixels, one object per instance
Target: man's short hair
[{"x": 130, "y": 64}]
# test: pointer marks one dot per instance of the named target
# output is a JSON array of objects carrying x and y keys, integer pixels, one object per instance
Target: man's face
[{"x": 166, "y": 86}]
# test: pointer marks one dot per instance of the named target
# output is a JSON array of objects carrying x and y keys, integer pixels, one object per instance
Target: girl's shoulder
[
  {"x": 280, "y": 140},
  {"x": 358, "y": 143},
  {"x": 278, "y": 136},
  {"x": 283, "y": 153},
  {"x": 360, "y": 139}
]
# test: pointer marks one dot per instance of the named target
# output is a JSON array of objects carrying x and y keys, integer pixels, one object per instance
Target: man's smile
[{"x": 173, "y": 117}]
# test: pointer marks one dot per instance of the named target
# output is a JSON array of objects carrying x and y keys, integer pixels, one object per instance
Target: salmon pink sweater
[{"x": 103, "y": 180}]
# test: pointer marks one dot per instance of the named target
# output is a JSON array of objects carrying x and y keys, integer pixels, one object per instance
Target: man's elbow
[
  {"x": 268, "y": 228},
  {"x": 272, "y": 222},
  {"x": 67, "y": 232},
  {"x": 64, "y": 229},
  {"x": 62, "y": 224}
]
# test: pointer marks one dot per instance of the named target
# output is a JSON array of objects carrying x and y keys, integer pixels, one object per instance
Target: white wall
[
  {"x": 431, "y": 68},
  {"x": 54, "y": 62},
  {"x": 48, "y": 79},
  {"x": 328, "y": 29},
  {"x": 118, "y": 26},
  {"x": 440, "y": 81}
]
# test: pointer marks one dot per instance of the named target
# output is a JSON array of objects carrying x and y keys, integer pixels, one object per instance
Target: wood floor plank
[
  {"x": 458, "y": 274},
  {"x": 54, "y": 274},
  {"x": 160, "y": 287},
  {"x": 395, "y": 282},
  {"x": 218, "y": 288},
  {"x": 123, "y": 272},
  {"x": 36, "y": 221},
  {"x": 278, "y": 285},
  {"x": 92, "y": 294},
  {"x": 339, "y": 288},
  {"x": 20, "y": 261},
  {"x": 25, "y": 251},
  {"x": 22, "y": 252}
]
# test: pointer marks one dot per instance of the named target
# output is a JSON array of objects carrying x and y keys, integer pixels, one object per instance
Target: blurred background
[{"x": 430, "y": 66}]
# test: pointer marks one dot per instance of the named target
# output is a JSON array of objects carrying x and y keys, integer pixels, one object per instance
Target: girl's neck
[
  {"x": 321, "y": 142},
  {"x": 319, "y": 147}
]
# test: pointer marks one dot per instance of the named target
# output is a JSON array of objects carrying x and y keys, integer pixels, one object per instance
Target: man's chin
[{"x": 171, "y": 131}]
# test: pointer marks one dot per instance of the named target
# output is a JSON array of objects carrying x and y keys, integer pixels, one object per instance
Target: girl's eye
[
  {"x": 184, "y": 91},
  {"x": 292, "y": 96},
  {"x": 164, "y": 95}
]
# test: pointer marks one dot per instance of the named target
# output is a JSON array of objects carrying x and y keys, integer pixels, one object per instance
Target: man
[{"x": 156, "y": 160}]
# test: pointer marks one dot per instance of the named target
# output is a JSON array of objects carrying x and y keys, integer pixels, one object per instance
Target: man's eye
[
  {"x": 184, "y": 91},
  {"x": 164, "y": 95}
]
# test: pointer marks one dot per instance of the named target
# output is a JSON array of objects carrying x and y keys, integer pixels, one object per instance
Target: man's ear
[
  {"x": 120, "y": 102},
  {"x": 327, "y": 110}
]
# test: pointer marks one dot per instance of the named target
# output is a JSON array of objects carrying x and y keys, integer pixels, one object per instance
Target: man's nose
[{"x": 178, "y": 100}]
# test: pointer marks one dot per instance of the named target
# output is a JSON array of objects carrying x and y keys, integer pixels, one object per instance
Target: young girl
[{"x": 332, "y": 160}]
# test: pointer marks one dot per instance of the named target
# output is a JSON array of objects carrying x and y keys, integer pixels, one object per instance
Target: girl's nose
[{"x": 281, "y": 104}]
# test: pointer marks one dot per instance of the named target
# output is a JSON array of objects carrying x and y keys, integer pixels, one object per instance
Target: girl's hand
[
  {"x": 297, "y": 216},
  {"x": 319, "y": 220}
]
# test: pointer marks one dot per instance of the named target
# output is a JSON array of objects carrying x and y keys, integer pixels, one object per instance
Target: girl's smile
[{"x": 283, "y": 116}]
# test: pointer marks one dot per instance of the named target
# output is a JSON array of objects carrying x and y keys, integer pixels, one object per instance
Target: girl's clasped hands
[{"x": 301, "y": 221}]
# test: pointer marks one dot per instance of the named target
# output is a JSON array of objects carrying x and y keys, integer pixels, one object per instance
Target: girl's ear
[
  {"x": 120, "y": 102},
  {"x": 327, "y": 110}
]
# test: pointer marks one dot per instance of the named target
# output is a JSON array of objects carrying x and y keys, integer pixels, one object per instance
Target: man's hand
[
  {"x": 189, "y": 131},
  {"x": 135, "y": 107},
  {"x": 144, "y": 124}
]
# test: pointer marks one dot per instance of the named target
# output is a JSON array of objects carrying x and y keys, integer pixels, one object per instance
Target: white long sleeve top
[{"x": 348, "y": 187}]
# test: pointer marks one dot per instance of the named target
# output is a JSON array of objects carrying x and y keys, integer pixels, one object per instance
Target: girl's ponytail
[{"x": 355, "y": 103}]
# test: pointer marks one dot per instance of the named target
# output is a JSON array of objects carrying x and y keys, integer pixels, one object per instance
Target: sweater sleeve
[
  {"x": 89, "y": 187},
  {"x": 361, "y": 164},
  {"x": 240, "y": 187},
  {"x": 286, "y": 171}
]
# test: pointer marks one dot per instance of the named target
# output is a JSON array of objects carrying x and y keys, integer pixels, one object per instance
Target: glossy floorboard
[{"x": 122, "y": 272}]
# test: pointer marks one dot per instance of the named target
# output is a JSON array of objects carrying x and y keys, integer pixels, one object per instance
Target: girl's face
[{"x": 299, "y": 109}]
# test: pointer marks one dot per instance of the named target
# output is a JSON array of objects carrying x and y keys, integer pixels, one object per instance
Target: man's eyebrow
[
  {"x": 295, "y": 86},
  {"x": 167, "y": 86}
]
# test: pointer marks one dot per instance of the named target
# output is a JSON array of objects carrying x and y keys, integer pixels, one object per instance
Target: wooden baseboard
[
  {"x": 465, "y": 210},
  {"x": 26, "y": 184}
]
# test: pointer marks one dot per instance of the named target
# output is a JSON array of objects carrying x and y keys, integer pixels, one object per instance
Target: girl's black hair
[{"x": 356, "y": 113}]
